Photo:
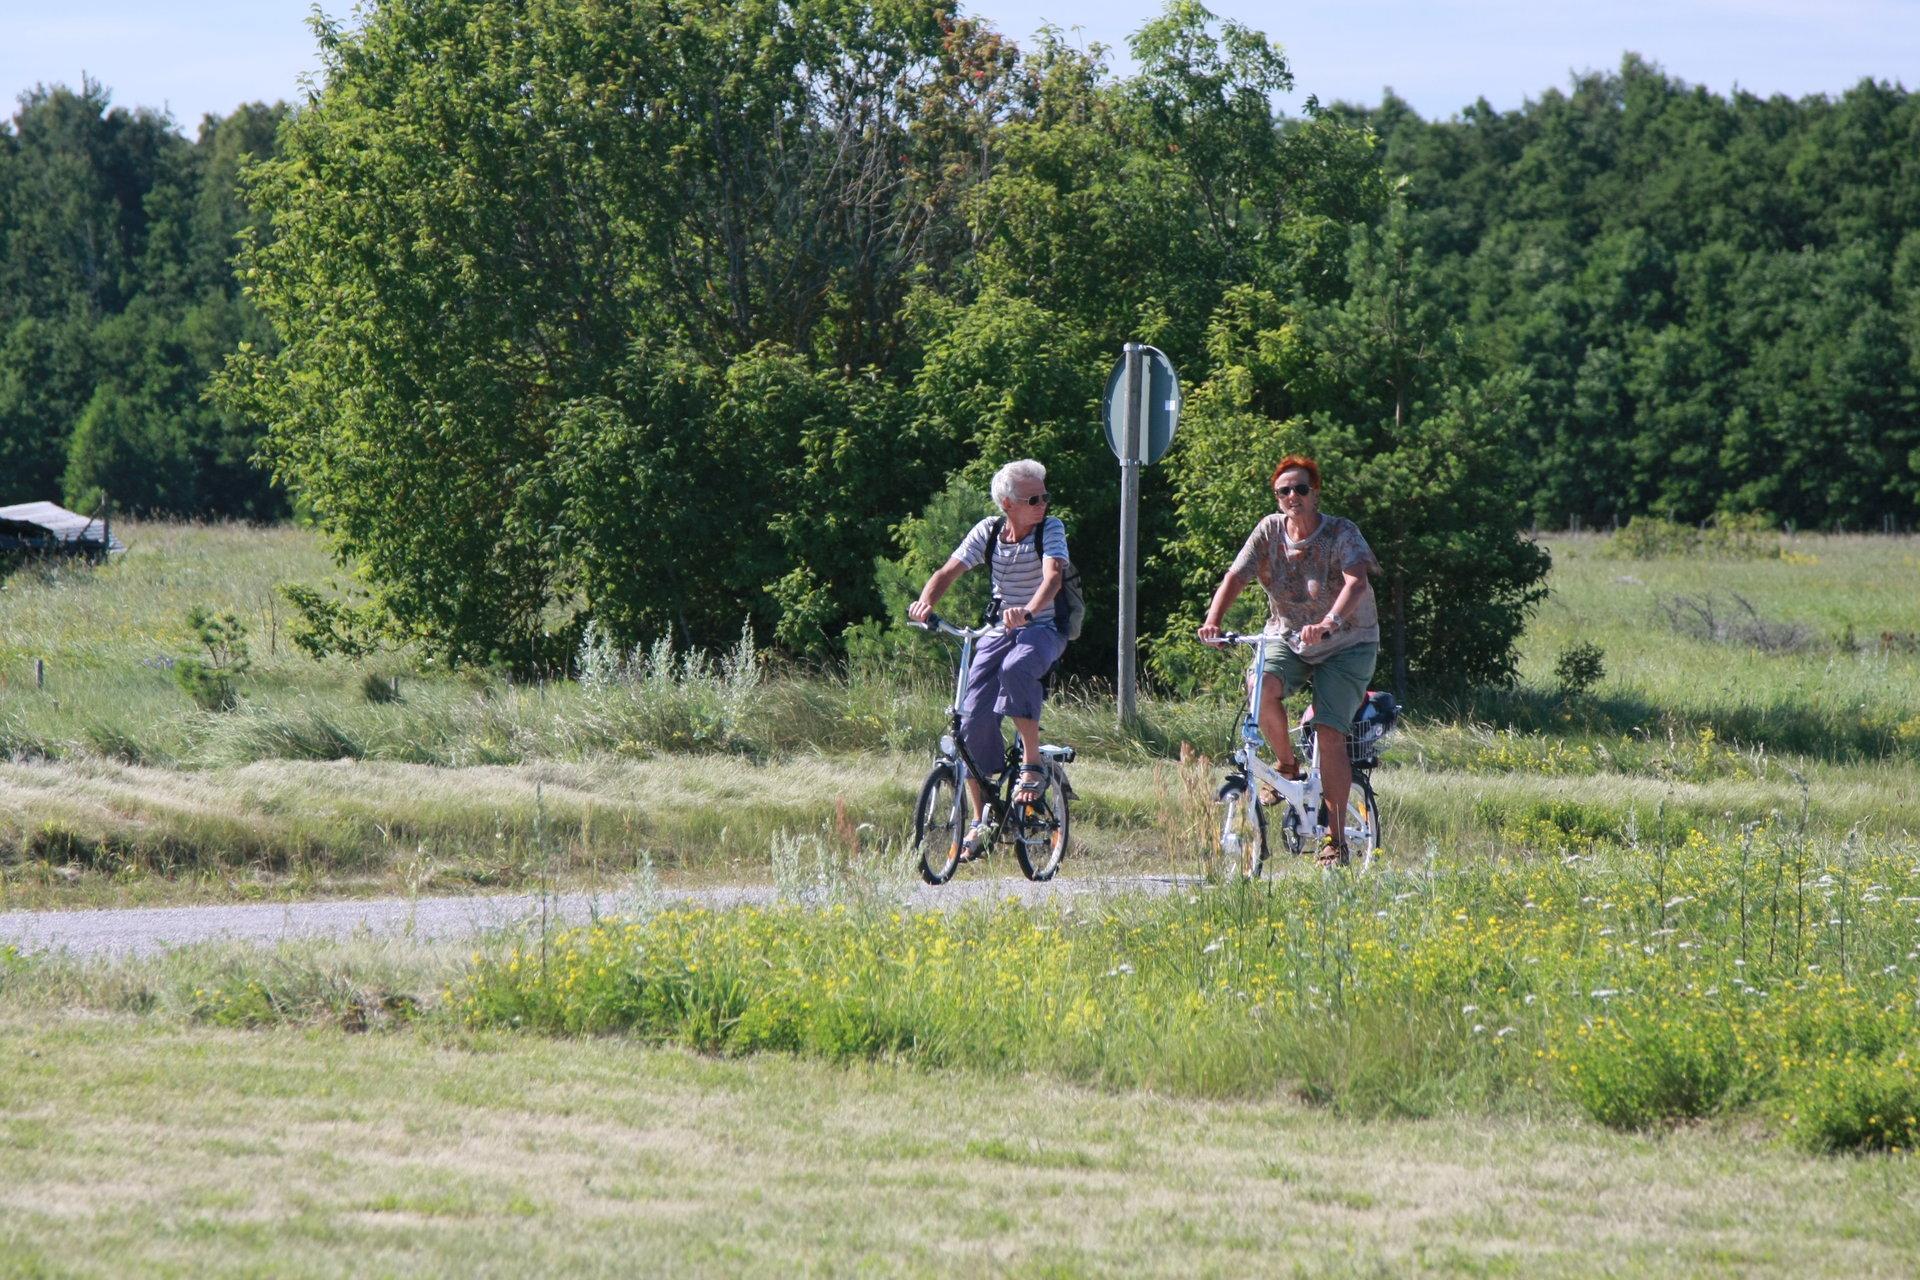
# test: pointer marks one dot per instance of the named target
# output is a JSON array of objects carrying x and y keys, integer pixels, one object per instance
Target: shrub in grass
[
  {"x": 1653, "y": 1062},
  {"x": 310, "y": 985},
  {"x": 1734, "y": 537},
  {"x": 654, "y": 699},
  {"x": 210, "y": 688},
  {"x": 303, "y": 731},
  {"x": 209, "y": 681},
  {"x": 1580, "y": 667},
  {"x": 1854, "y": 1101},
  {"x": 379, "y": 689}
]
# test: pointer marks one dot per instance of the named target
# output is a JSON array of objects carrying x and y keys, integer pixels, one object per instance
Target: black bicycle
[{"x": 1037, "y": 830}]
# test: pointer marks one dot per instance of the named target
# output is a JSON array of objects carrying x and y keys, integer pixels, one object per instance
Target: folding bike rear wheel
[
  {"x": 1041, "y": 831},
  {"x": 1362, "y": 822}
]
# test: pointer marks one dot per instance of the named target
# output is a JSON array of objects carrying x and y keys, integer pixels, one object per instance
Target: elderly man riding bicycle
[
  {"x": 1009, "y": 666},
  {"x": 1314, "y": 568}
]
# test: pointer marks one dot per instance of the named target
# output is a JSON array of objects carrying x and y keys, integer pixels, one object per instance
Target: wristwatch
[{"x": 1335, "y": 621}]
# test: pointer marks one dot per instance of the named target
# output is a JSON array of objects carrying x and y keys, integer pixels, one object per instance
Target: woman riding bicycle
[
  {"x": 1314, "y": 568},
  {"x": 1009, "y": 665}
]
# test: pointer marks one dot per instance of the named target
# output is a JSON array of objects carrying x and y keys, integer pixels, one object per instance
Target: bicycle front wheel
[
  {"x": 1242, "y": 843},
  {"x": 1363, "y": 822},
  {"x": 1040, "y": 831},
  {"x": 940, "y": 823}
]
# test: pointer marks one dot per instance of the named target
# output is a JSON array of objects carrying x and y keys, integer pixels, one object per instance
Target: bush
[
  {"x": 207, "y": 685},
  {"x": 1645, "y": 1065},
  {"x": 887, "y": 646},
  {"x": 1730, "y": 537},
  {"x": 647, "y": 699},
  {"x": 210, "y": 682},
  {"x": 377, "y": 688},
  {"x": 1580, "y": 667},
  {"x": 1845, "y": 1102}
]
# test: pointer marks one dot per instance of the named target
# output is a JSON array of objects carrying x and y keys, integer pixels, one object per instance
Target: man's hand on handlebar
[
  {"x": 1209, "y": 632},
  {"x": 920, "y": 611},
  {"x": 1015, "y": 618}
]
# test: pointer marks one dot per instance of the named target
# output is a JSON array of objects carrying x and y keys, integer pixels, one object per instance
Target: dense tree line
[
  {"x": 673, "y": 317},
  {"x": 1714, "y": 301},
  {"x": 118, "y": 302}
]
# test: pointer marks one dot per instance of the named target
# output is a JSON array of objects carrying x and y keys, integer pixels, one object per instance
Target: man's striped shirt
[{"x": 1016, "y": 569}]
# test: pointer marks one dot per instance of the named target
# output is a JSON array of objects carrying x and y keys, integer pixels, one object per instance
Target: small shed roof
[{"x": 46, "y": 526}]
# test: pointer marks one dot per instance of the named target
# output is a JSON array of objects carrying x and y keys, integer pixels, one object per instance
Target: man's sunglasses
[
  {"x": 1282, "y": 490},
  {"x": 1035, "y": 499}
]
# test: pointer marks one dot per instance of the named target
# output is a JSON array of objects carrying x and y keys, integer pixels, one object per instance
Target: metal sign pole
[{"x": 1133, "y": 448}]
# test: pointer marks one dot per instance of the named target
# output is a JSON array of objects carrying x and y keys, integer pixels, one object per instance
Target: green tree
[
  {"x": 1415, "y": 444},
  {"x": 554, "y": 282}
]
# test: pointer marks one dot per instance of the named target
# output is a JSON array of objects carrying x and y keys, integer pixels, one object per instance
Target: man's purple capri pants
[{"x": 1005, "y": 681}]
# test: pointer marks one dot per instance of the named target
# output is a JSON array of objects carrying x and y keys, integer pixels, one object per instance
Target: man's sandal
[
  {"x": 1334, "y": 852},
  {"x": 1032, "y": 784}
]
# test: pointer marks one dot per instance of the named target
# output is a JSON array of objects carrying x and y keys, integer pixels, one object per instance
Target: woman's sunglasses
[{"x": 1282, "y": 490}]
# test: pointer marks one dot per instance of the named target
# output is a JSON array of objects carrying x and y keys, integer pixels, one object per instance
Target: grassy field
[
  {"x": 135, "y": 1147},
  {"x": 1639, "y": 960},
  {"x": 117, "y": 788}
]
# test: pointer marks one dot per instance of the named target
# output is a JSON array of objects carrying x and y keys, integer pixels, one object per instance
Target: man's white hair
[{"x": 1004, "y": 478}]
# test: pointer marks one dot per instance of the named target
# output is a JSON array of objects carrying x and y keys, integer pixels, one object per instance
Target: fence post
[{"x": 39, "y": 673}]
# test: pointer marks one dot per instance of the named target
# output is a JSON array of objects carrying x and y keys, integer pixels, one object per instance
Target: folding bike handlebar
[{"x": 937, "y": 623}]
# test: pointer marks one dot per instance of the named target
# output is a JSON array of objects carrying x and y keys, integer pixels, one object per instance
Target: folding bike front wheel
[
  {"x": 940, "y": 823},
  {"x": 1241, "y": 844}
]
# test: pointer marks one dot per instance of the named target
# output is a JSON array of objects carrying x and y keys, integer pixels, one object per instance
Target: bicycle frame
[
  {"x": 963, "y": 760},
  {"x": 1302, "y": 797}
]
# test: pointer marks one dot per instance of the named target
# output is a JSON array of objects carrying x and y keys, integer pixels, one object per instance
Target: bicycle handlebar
[
  {"x": 1234, "y": 637},
  {"x": 935, "y": 622}
]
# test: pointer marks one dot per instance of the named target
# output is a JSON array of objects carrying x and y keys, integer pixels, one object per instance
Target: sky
[{"x": 196, "y": 57}]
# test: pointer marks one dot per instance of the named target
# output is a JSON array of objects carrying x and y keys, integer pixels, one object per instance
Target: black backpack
[{"x": 1069, "y": 605}]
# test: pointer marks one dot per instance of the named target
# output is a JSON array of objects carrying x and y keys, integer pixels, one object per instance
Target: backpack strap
[{"x": 993, "y": 595}]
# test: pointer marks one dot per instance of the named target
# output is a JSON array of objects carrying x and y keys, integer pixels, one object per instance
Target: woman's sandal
[
  {"x": 1334, "y": 852},
  {"x": 1029, "y": 792}
]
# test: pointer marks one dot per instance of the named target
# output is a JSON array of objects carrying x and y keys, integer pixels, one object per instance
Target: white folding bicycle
[{"x": 1253, "y": 786}]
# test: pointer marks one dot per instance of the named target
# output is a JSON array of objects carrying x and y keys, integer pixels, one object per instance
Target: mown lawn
[{"x": 135, "y": 1147}]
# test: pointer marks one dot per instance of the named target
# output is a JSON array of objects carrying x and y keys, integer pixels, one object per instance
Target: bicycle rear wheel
[
  {"x": 940, "y": 823},
  {"x": 1041, "y": 831},
  {"x": 1363, "y": 822}
]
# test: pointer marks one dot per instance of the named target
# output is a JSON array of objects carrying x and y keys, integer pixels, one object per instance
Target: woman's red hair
[{"x": 1295, "y": 461}]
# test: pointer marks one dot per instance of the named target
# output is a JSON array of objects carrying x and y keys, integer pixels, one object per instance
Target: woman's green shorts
[{"x": 1339, "y": 680}]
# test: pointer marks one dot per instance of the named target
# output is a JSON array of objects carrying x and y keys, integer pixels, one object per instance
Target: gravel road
[{"x": 145, "y": 930}]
